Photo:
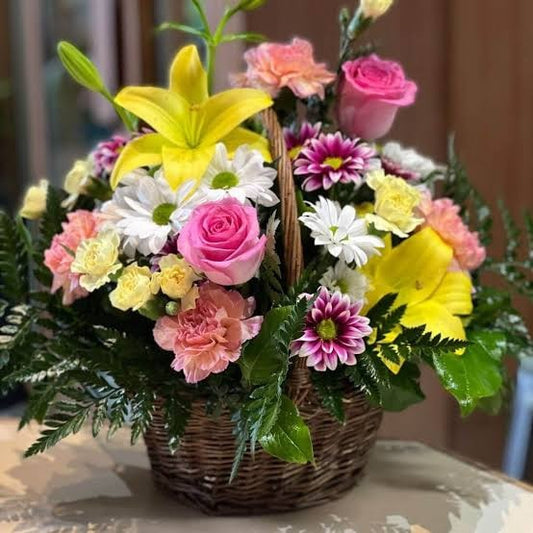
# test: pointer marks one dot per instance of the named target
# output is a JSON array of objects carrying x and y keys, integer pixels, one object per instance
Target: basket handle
[
  {"x": 293, "y": 256},
  {"x": 292, "y": 240}
]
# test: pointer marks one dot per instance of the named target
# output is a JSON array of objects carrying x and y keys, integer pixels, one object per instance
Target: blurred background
[{"x": 472, "y": 60}]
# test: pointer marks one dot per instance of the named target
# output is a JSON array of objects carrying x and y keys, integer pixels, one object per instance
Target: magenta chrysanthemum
[
  {"x": 333, "y": 158},
  {"x": 296, "y": 139},
  {"x": 106, "y": 153},
  {"x": 333, "y": 333}
]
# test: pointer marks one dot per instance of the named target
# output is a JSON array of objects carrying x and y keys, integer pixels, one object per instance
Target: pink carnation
[
  {"x": 443, "y": 216},
  {"x": 272, "y": 66},
  {"x": 206, "y": 339},
  {"x": 58, "y": 258}
]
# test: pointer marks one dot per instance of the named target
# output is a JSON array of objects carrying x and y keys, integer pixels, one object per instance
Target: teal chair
[{"x": 517, "y": 447}]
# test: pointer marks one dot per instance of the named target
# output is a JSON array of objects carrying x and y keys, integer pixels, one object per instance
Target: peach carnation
[
  {"x": 272, "y": 66},
  {"x": 58, "y": 258},
  {"x": 210, "y": 336},
  {"x": 443, "y": 216}
]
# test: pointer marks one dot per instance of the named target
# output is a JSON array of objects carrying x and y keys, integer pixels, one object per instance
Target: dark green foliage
[
  {"x": 262, "y": 416},
  {"x": 405, "y": 347},
  {"x": 176, "y": 411},
  {"x": 517, "y": 272},
  {"x": 49, "y": 225},
  {"x": 330, "y": 389},
  {"x": 14, "y": 257}
]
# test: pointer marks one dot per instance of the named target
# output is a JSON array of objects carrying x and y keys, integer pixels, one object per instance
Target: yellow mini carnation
[
  {"x": 375, "y": 8},
  {"x": 76, "y": 181},
  {"x": 77, "y": 177},
  {"x": 175, "y": 278},
  {"x": 96, "y": 260},
  {"x": 394, "y": 205},
  {"x": 133, "y": 288},
  {"x": 34, "y": 204}
]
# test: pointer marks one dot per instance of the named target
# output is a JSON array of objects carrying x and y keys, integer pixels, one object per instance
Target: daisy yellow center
[
  {"x": 334, "y": 162},
  {"x": 224, "y": 180},
  {"x": 162, "y": 213},
  {"x": 327, "y": 330}
]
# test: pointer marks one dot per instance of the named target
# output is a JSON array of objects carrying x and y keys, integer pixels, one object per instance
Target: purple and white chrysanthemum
[
  {"x": 295, "y": 139},
  {"x": 333, "y": 158},
  {"x": 334, "y": 332},
  {"x": 106, "y": 153}
]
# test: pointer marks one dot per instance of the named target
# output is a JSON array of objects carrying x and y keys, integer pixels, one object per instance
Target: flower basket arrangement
[{"x": 248, "y": 279}]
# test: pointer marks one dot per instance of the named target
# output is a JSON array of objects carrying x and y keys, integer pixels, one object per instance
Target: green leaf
[
  {"x": 183, "y": 28},
  {"x": 469, "y": 377},
  {"x": 247, "y": 36},
  {"x": 289, "y": 439},
  {"x": 403, "y": 389},
  {"x": 493, "y": 342},
  {"x": 260, "y": 359},
  {"x": 81, "y": 68}
]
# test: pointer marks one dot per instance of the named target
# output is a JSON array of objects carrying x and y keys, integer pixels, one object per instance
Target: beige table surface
[{"x": 98, "y": 486}]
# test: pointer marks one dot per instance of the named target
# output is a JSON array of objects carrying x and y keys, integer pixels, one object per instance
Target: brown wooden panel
[{"x": 491, "y": 109}]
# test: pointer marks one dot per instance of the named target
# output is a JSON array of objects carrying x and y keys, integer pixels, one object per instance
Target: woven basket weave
[{"x": 199, "y": 472}]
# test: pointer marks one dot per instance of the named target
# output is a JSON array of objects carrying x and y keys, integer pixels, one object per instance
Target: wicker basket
[{"x": 199, "y": 472}]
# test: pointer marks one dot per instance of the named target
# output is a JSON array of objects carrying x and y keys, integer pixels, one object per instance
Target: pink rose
[
  {"x": 206, "y": 339},
  {"x": 221, "y": 239},
  {"x": 370, "y": 92},
  {"x": 272, "y": 66}
]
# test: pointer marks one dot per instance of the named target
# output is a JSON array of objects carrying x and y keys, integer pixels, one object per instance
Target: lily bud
[
  {"x": 375, "y": 8},
  {"x": 249, "y": 5}
]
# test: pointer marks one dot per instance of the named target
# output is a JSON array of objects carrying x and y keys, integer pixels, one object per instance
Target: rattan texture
[{"x": 198, "y": 473}]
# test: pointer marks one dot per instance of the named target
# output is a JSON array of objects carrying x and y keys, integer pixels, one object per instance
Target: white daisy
[
  {"x": 245, "y": 176},
  {"x": 145, "y": 211},
  {"x": 407, "y": 162},
  {"x": 344, "y": 235},
  {"x": 346, "y": 280}
]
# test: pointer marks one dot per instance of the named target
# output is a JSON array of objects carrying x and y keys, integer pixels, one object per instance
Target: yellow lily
[
  {"x": 418, "y": 271},
  {"x": 188, "y": 123}
]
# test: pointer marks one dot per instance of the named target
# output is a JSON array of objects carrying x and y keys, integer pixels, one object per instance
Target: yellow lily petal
[
  {"x": 436, "y": 318},
  {"x": 225, "y": 111},
  {"x": 240, "y": 136},
  {"x": 377, "y": 290},
  {"x": 140, "y": 152},
  {"x": 455, "y": 293},
  {"x": 188, "y": 77},
  {"x": 414, "y": 268},
  {"x": 183, "y": 164},
  {"x": 164, "y": 111}
]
